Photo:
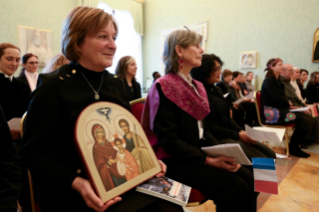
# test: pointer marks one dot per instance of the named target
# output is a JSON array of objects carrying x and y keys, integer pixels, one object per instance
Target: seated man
[
  {"x": 290, "y": 91},
  {"x": 10, "y": 169},
  {"x": 13, "y": 99},
  {"x": 294, "y": 101}
]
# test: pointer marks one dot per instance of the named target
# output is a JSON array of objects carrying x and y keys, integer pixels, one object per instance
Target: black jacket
[
  {"x": 49, "y": 150},
  {"x": 133, "y": 92},
  {"x": 23, "y": 79},
  {"x": 13, "y": 97},
  {"x": 220, "y": 124},
  {"x": 273, "y": 95},
  {"x": 312, "y": 92},
  {"x": 177, "y": 133},
  {"x": 10, "y": 169}
]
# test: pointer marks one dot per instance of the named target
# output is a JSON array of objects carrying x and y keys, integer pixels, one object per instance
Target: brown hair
[
  {"x": 82, "y": 21},
  {"x": 182, "y": 38},
  {"x": 56, "y": 62},
  {"x": 249, "y": 72},
  {"x": 25, "y": 59},
  {"x": 270, "y": 63},
  {"x": 312, "y": 79},
  {"x": 122, "y": 66},
  {"x": 226, "y": 73},
  {"x": 4, "y": 46},
  {"x": 236, "y": 74},
  {"x": 124, "y": 120}
]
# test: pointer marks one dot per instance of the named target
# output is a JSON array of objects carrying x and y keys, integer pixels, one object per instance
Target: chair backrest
[
  {"x": 137, "y": 108},
  {"x": 258, "y": 105}
]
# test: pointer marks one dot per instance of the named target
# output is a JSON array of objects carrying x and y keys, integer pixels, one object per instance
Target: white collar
[
  {"x": 30, "y": 74},
  {"x": 188, "y": 79},
  {"x": 7, "y": 76}
]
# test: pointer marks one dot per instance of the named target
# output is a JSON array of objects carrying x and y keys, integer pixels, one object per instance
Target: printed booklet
[{"x": 167, "y": 189}]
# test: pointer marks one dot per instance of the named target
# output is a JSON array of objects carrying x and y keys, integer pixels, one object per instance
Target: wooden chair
[
  {"x": 34, "y": 205},
  {"x": 196, "y": 197},
  {"x": 285, "y": 126}
]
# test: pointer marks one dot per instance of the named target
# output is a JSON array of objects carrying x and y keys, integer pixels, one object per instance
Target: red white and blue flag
[{"x": 265, "y": 175}]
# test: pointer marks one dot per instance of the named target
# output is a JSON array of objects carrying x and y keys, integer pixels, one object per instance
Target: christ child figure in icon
[{"x": 126, "y": 163}]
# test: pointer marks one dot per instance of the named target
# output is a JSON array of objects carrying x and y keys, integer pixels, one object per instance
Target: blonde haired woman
[
  {"x": 88, "y": 40},
  {"x": 126, "y": 70},
  {"x": 56, "y": 62},
  {"x": 175, "y": 111}
]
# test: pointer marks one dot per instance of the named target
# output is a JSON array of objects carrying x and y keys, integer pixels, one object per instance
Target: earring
[{"x": 181, "y": 62}]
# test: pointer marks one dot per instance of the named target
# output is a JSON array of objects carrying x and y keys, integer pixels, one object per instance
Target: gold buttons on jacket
[
  {"x": 78, "y": 171},
  {"x": 73, "y": 71},
  {"x": 115, "y": 76},
  {"x": 61, "y": 78}
]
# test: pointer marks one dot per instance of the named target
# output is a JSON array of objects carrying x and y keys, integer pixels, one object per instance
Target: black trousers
[
  {"x": 229, "y": 191},
  {"x": 257, "y": 150},
  {"x": 132, "y": 201},
  {"x": 251, "y": 117}
]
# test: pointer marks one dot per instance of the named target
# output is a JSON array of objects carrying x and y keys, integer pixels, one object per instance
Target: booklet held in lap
[
  {"x": 167, "y": 189},
  {"x": 230, "y": 150}
]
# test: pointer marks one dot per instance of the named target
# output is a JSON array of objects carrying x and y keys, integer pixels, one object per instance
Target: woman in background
[
  {"x": 29, "y": 74},
  {"x": 220, "y": 124},
  {"x": 175, "y": 109},
  {"x": 303, "y": 78},
  {"x": 312, "y": 90},
  {"x": 275, "y": 109},
  {"x": 56, "y": 62},
  {"x": 126, "y": 70},
  {"x": 249, "y": 78}
]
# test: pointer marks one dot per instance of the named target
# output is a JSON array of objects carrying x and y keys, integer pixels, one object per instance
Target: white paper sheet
[
  {"x": 299, "y": 109},
  {"x": 265, "y": 133},
  {"x": 230, "y": 150}
]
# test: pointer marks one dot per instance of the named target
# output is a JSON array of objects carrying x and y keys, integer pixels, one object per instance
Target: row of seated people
[
  {"x": 16, "y": 92},
  {"x": 181, "y": 129}
]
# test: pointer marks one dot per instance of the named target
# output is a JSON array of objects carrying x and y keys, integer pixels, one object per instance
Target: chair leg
[{"x": 287, "y": 142}]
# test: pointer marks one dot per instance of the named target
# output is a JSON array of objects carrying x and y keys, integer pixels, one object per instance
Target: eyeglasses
[
  {"x": 33, "y": 63},
  {"x": 218, "y": 68}
]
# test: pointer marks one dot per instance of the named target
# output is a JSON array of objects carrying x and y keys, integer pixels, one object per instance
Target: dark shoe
[
  {"x": 305, "y": 153},
  {"x": 298, "y": 153}
]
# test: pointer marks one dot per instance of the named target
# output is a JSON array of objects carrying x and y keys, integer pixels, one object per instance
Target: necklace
[{"x": 96, "y": 93}]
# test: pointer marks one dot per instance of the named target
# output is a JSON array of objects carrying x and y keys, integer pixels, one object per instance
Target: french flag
[{"x": 265, "y": 175}]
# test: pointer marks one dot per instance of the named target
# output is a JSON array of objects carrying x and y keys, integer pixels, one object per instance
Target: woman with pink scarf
[{"x": 174, "y": 119}]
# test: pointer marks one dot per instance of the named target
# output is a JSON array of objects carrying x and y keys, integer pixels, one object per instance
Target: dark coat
[
  {"x": 23, "y": 79},
  {"x": 13, "y": 97},
  {"x": 273, "y": 95},
  {"x": 291, "y": 93},
  {"x": 49, "y": 150},
  {"x": 302, "y": 89},
  {"x": 133, "y": 92},
  {"x": 10, "y": 169},
  {"x": 220, "y": 123},
  {"x": 312, "y": 92},
  {"x": 177, "y": 132}
]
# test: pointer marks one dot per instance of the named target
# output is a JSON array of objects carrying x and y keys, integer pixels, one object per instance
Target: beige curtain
[{"x": 134, "y": 7}]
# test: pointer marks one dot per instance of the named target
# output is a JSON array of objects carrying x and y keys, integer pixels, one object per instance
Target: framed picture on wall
[
  {"x": 315, "y": 51},
  {"x": 36, "y": 41},
  {"x": 248, "y": 59}
]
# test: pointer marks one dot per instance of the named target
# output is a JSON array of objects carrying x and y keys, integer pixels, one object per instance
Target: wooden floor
[{"x": 298, "y": 181}]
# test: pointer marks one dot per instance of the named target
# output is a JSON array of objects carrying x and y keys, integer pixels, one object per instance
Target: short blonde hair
[
  {"x": 82, "y": 21},
  {"x": 182, "y": 38}
]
